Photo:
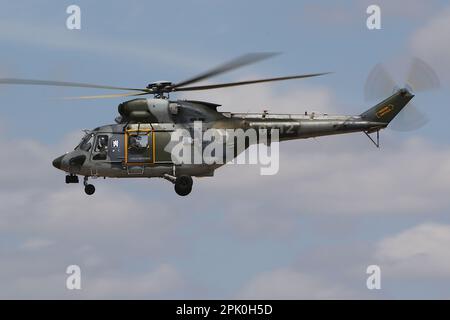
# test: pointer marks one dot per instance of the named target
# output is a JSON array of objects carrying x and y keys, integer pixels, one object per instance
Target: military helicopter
[{"x": 136, "y": 145}]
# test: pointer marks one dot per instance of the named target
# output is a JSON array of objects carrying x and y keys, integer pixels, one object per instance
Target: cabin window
[{"x": 139, "y": 147}]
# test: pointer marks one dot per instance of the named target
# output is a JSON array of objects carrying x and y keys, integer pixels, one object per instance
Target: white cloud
[
  {"x": 287, "y": 283},
  {"x": 50, "y": 225},
  {"x": 165, "y": 279},
  {"x": 152, "y": 283},
  {"x": 429, "y": 42},
  {"x": 343, "y": 174},
  {"x": 421, "y": 251},
  {"x": 334, "y": 177}
]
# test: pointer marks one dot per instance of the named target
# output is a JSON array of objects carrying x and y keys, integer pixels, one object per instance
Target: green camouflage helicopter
[{"x": 138, "y": 144}]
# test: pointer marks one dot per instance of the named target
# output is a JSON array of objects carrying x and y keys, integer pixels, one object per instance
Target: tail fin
[{"x": 386, "y": 110}]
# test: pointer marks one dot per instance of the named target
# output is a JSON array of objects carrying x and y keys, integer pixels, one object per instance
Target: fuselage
[{"x": 108, "y": 151}]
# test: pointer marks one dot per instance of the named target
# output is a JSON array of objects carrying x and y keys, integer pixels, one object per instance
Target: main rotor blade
[
  {"x": 240, "y": 83},
  {"x": 379, "y": 84},
  {"x": 409, "y": 119},
  {"x": 62, "y": 84},
  {"x": 106, "y": 96},
  {"x": 228, "y": 66},
  {"x": 421, "y": 76}
]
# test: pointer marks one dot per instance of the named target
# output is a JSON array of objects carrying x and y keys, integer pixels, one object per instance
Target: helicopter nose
[{"x": 57, "y": 162}]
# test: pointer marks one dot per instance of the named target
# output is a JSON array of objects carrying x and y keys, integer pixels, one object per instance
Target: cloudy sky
[{"x": 336, "y": 206}]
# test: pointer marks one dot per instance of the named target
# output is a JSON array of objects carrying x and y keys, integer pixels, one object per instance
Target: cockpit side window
[
  {"x": 101, "y": 147},
  {"x": 102, "y": 143}
]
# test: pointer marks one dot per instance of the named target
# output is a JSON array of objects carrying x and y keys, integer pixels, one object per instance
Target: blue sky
[{"x": 337, "y": 205}]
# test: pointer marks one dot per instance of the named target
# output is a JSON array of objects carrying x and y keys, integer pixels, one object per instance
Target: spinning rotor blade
[
  {"x": 240, "y": 83},
  {"x": 106, "y": 96},
  {"x": 379, "y": 84},
  {"x": 63, "y": 84},
  {"x": 409, "y": 119},
  {"x": 161, "y": 87},
  {"x": 228, "y": 66},
  {"x": 421, "y": 77}
]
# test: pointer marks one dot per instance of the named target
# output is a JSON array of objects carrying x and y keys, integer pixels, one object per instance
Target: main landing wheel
[
  {"x": 183, "y": 185},
  {"x": 89, "y": 189}
]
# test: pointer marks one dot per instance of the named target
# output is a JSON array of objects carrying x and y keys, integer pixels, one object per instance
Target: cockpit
[
  {"x": 97, "y": 142},
  {"x": 134, "y": 146}
]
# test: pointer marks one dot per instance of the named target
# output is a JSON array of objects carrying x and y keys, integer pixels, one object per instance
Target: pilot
[
  {"x": 101, "y": 148},
  {"x": 102, "y": 143},
  {"x": 134, "y": 144}
]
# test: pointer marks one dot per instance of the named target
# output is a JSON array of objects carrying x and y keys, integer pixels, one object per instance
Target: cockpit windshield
[{"x": 86, "y": 142}]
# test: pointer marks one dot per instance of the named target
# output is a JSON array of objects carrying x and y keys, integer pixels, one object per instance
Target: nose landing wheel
[{"x": 88, "y": 188}]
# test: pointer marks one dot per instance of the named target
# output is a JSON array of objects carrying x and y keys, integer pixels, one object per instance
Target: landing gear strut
[
  {"x": 182, "y": 184},
  {"x": 88, "y": 188}
]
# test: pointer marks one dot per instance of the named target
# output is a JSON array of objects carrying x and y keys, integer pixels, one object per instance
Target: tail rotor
[{"x": 420, "y": 78}]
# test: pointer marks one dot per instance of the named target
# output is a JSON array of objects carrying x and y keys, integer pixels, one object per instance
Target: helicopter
[{"x": 136, "y": 145}]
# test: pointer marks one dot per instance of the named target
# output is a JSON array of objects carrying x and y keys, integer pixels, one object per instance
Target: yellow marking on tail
[{"x": 384, "y": 111}]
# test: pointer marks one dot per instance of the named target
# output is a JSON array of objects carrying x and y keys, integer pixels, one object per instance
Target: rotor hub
[
  {"x": 159, "y": 86},
  {"x": 405, "y": 91}
]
